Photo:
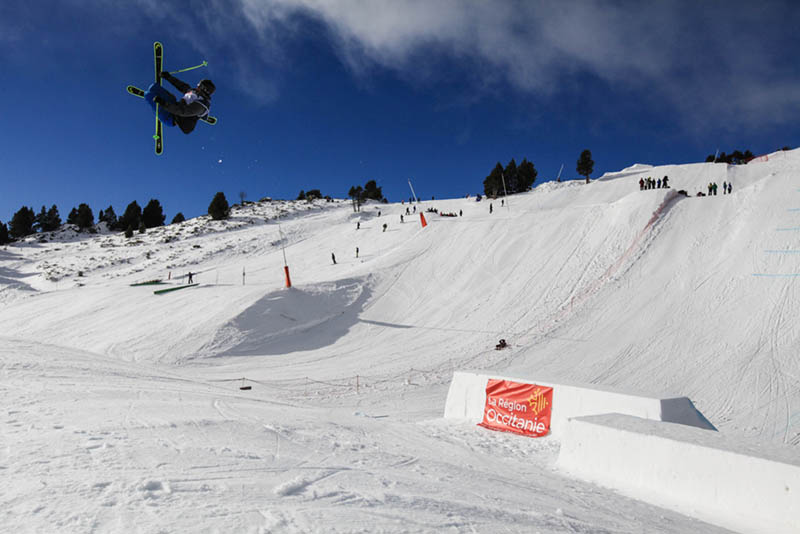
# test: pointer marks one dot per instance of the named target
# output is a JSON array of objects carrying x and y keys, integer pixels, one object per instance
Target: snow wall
[
  {"x": 747, "y": 487},
  {"x": 466, "y": 400}
]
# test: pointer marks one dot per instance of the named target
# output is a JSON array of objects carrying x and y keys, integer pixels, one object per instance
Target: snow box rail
[{"x": 170, "y": 289}]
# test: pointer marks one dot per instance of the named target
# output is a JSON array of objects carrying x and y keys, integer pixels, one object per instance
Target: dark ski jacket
[{"x": 188, "y": 110}]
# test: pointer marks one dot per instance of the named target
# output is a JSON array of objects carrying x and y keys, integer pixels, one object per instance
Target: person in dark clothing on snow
[
  {"x": 185, "y": 112},
  {"x": 333, "y": 257}
]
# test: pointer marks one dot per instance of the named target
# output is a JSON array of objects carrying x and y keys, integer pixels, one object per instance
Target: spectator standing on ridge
[
  {"x": 333, "y": 257},
  {"x": 710, "y": 187},
  {"x": 401, "y": 218},
  {"x": 659, "y": 183},
  {"x": 358, "y": 225},
  {"x": 714, "y": 188},
  {"x": 384, "y": 226},
  {"x": 730, "y": 188},
  {"x": 356, "y": 252},
  {"x": 190, "y": 277},
  {"x": 490, "y": 207},
  {"x": 459, "y": 213},
  {"x": 724, "y": 188},
  {"x": 641, "y": 184},
  {"x": 664, "y": 183}
]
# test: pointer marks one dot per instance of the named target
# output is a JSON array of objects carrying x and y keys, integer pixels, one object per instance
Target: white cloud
[{"x": 687, "y": 55}]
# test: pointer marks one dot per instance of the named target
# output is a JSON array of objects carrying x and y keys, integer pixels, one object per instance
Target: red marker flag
[{"x": 519, "y": 408}]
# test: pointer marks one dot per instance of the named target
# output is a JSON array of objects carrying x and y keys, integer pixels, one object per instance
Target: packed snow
[{"x": 123, "y": 409}]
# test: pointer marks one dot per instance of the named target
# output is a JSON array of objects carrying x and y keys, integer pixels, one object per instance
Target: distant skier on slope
[{"x": 194, "y": 105}]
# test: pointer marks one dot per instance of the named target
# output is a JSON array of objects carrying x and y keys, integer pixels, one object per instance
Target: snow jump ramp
[
  {"x": 467, "y": 397},
  {"x": 658, "y": 450},
  {"x": 735, "y": 483}
]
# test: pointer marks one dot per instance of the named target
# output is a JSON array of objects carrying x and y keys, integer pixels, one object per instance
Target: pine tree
[
  {"x": 129, "y": 232},
  {"x": 219, "y": 208},
  {"x": 22, "y": 222},
  {"x": 41, "y": 220},
  {"x": 493, "y": 183},
  {"x": 372, "y": 191},
  {"x": 4, "y": 238},
  {"x": 357, "y": 194},
  {"x": 313, "y": 194},
  {"x": 72, "y": 218},
  {"x": 526, "y": 175},
  {"x": 110, "y": 218},
  {"x": 153, "y": 214},
  {"x": 51, "y": 220},
  {"x": 585, "y": 164},
  {"x": 510, "y": 177},
  {"x": 142, "y": 227},
  {"x": 132, "y": 216},
  {"x": 301, "y": 195},
  {"x": 85, "y": 217},
  {"x": 179, "y": 218}
]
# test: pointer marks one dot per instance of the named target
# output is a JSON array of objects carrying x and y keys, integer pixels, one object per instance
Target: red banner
[{"x": 520, "y": 408}]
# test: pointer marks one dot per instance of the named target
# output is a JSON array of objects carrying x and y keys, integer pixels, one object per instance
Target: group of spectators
[
  {"x": 650, "y": 183},
  {"x": 712, "y": 189}
]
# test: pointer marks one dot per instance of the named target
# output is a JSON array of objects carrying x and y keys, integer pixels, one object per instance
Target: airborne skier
[{"x": 185, "y": 113}]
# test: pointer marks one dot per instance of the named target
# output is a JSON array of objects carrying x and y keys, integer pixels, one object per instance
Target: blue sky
[{"x": 328, "y": 94}]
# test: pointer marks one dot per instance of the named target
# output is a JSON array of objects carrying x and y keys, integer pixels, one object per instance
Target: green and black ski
[
  {"x": 135, "y": 91},
  {"x": 158, "y": 52}
]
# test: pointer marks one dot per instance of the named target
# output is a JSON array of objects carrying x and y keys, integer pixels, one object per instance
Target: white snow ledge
[
  {"x": 724, "y": 480},
  {"x": 466, "y": 400}
]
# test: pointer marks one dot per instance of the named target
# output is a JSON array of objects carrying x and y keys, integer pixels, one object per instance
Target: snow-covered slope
[{"x": 644, "y": 291}]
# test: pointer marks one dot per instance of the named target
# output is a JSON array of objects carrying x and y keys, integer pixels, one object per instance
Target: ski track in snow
[{"x": 122, "y": 409}]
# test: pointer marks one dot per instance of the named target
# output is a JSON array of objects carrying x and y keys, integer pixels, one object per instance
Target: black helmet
[{"x": 207, "y": 86}]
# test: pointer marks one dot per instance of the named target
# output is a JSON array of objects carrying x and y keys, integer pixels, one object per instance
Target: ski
[
  {"x": 158, "y": 52},
  {"x": 135, "y": 91}
]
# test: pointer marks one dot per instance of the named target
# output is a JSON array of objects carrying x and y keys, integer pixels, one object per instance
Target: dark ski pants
[{"x": 156, "y": 90}]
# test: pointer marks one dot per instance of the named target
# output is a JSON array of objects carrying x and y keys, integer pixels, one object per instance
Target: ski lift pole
[
  {"x": 285, "y": 265},
  {"x": 413, "y": 194},
  {"x": 505, "y": 193},
  {"x": 203, "y": 64},
  {"x": 422, "y": 220}
]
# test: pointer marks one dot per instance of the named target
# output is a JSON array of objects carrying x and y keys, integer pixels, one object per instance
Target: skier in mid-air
[{"x": 193, "y": 106}]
